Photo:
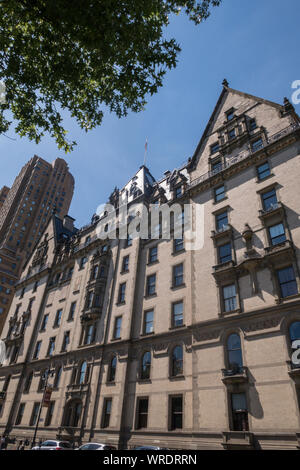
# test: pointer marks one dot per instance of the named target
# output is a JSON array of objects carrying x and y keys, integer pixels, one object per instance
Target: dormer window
[
  {"x": 230, "y": 114},
  {"x": 252, "y": 124},
  {"x": 177, "y": 192}
]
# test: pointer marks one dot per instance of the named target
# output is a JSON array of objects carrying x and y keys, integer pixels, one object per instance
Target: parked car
[
  {"x": 96, "y": 446},
  {"x": 54, "y": 445},
  {"x": 149, "y": 448}
]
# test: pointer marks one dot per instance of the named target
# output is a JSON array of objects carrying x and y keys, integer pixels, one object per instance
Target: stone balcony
[{"x": 236, "y": 375}]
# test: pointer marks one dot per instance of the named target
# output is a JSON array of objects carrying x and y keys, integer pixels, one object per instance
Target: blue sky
[{"x": 253, "y": 43}]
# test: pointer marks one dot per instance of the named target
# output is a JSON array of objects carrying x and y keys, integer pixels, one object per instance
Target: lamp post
[{"x": 47, "y": 373}]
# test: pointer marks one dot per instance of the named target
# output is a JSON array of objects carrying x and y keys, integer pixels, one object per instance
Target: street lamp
[{"x": 46, "y": 374}]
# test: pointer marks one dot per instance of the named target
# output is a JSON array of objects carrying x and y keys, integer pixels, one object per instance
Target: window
[
  {"x": 49, "y": 414},
  {"x": 89, "y": 299},
  {"x": 90, "y": 334},
  {"x": 252, "y": 124},
  {"x": 66, "y": 341},
  {"x": 231, "y": 134},
  {"x": 224, "y": 253},
  {"x": 153, "y": 254},
  {"x": 95, "y": 272},
  {"x": 151, "y": 285},
  {"x": 220, "y": 193},
  {"x": 277, "y": 234},
  {"x": 177, "y": 361},
  {"x": 216, "y": 167},
  {"x": 269, "y": 200},
  {"x": 146, "y": 365},
  {"x": 257, "y": 144},
  {"x": 142, "y": 413},
  {"x": 125, "y": 264},
  {"x": 112, "y": 370},
  {"x": 106, "y": 412},
  {"x": 51, "y": 346},
  {"x": 176, "y": 412},
  {"x": 122, "y": 289},
  {"x": 45, "y": 321},
  {"x": 28, "y": 382},
  {"x": 129, "y": 241},
  {"x": 15, "y": 354},
  {"x": 148, "y": 322},
  {"x": 234, "y": 352},
  {"x": 35, "y": 286},
  {"x": 263, "y": 171},
  {"x": 287, "y": 281},
  {"x": 178, "y": 275},
  {"x": 177, "y": 314},
  {"x": 222, "y": 221},
  {"x": 178, "y": 244},
  {"x": 6, "y": 383},
  {"x": 57, "y": 377},
  {"x": 177, "y": 192},
  {"x": 239, "y": 412},
  {"x": 57, "y": 318},
  {"x": 37, "y": 350},
  {"x": 83, "y": 262},
  {"x": 34, "y": 414},
  {"x": 117, "y": 330},
  {"x": 214, "y": 148},
  {"x": 83, "y": 376},
  {"x": 230, "y": 115},
  {"x": 229, "y": 298},
  {"x": 72, "y": 311},
  {"x": 20, "y": 414}
]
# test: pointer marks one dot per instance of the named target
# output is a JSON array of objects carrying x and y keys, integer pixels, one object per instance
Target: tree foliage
[{"x": 82, "y": 56}]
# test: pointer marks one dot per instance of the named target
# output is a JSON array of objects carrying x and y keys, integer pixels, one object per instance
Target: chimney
[{"x": 68, "y": 223}]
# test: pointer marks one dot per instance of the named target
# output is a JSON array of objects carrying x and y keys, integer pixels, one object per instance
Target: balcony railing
[
  {"x": 235, "y": 375},
  {"x": 243, "y": 155}
]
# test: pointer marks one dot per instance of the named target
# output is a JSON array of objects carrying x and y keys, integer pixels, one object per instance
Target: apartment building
[
  {"x": 159, "y": 341},
  {"x": 25, "y": 210}
]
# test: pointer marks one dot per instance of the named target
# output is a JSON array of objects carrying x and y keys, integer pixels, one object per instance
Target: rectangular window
[
  {"x": 220, "y": 193},
  {"x": 66, "y": 341},
  {"x": 34, "y": 414},
  {"x": 176, "y": 412},
  {"x": 178, "y": 275},
  {"x": 117, "y": 330},
  {"x": 221, "y": 221},
  {"x": 90, "y": 334},
  {"x": 95, "y": 272},
  {"x": 72, "y": 311},
  {"x": 89, "y": 299},
  {"x": 129, "y": 241},
  {"x": 45, "y": 321},
  {"x": 263, "y": 171},
  {"x": 231, "y": 134},
  {"x": 230, "y": 115},
  {"x": 252, "y": 124},
  {"x": 277, "y": 234},
  {"x": 177, "y": 314},
  {"x": 121, "y": 297},
  {"x": 142, "y": 413},
  {"x": 256, "y": 145},
  {"x": 269, "y": 200},
  {"x": 20, "y": 414},
  {"x": 239, "y": 412},
  {"x": 148, "y": 322},
  {"x": 51, "y": 346},
  {"x": 214, "y": 148},
  {"x": 178, "y": 192},
  {"x": 83, "y": 262},
  {"x": 151, "y": 284},
  {"x": 125, "y": 264},
  {"x": 153, "y": 254},
  {"x": 58, "y": 318},
  {"x": 216, "y": 167},
  {"x": 287, "y": 281},
  {"x": 37, "y": 350},
  {"x": 229, "y": 298},
  {"x": 178, "y": 244},
  {"x": 106, "y": 412},
  {"x": 49, "y": 414},
  {"x": 224, "y": 253}
]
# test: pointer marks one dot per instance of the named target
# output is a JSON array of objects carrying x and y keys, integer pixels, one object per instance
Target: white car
[
  {"x": 96, "y": 446},
  {"x": 54, "y": 445}
]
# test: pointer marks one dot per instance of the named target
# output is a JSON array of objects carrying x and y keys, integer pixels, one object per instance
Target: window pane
[
  {"x": 269, "y": 200},
  {"x": 263, "y": 170},
  {"x": 225, "y": 253},
  {"x": 277, "y": 234},
  {"x": 295, "y": 331}
]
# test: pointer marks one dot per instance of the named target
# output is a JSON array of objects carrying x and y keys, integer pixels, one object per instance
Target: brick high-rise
[{"x": 25, "y": 208}]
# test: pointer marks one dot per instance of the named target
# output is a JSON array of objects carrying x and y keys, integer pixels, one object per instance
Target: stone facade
[
  {"x": 25, "y": 210},
  {"x": 149, "y": 342}
]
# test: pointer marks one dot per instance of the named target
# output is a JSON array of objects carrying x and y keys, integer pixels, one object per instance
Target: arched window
[
  {"x": 234, "y": 352},
  {"x": 83, "y": 373},
  {"x": 112, "y": 369},
  {"x": 177, "y": 361},
  {"x": 146, "y": 365}
]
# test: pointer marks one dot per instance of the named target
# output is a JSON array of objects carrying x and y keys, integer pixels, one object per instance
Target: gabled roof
[{"x": 226, "y": 90}]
